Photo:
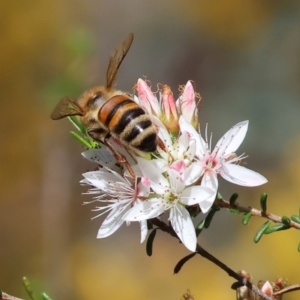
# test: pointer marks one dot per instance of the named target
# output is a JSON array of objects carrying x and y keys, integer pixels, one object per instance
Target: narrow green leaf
[
  {"x": 81, "y": 140},
  {"x": 75, "y": 120},
  {"x": 263, "y": 202},
  {"x": 233, "y": 199},
  {"x": 247, "y": 218},
  {"x": 209, "y": 218},
  {"x": 285, "y": 220},
  {"x": 200, "y": 227},
  {"x": 261, "y": 231},
  {"x": 295, "y": 218},
  {"x": 45, "y": 296},
  {"x": 28, "y": 288},
  {"x": 149, "y": 225},
  {"x": 277, "y": 227},
  {"x": 180, "y": 264},
  {"x": 235, "y": 211},
  {"x": 299, "y": 247},
  {"x": 149, "y": 245}
]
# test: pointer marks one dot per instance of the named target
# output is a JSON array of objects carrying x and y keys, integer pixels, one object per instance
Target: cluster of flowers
[{"x": 184, "y": 171}]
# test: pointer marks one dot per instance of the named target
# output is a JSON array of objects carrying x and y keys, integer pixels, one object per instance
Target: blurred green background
[{"x": 244, "y": 57}]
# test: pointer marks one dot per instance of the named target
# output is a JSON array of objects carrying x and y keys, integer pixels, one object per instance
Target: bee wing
[
  {"x": 116, "y": 58},
  {"x": 66, "y": 107}
]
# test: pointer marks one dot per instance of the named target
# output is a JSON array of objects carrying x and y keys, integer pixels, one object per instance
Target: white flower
[
  {"x": 221, "y": 161},
  {"x": 118, "y": 194},
  {"x": 169, "y": 194}
]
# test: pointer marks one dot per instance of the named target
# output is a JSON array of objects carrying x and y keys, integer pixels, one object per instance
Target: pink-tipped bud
[
  {"x": 267, "y": 289},
  {"x": 147, "y": 98},
  {"x": 170, "y": 117},
  {"x": 188, "y": 105}
]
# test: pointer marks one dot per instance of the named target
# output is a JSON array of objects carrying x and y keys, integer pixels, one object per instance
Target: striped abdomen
[{"x": 127, "y": 121}]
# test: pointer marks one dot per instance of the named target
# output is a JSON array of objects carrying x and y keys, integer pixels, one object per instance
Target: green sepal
[
  {"x": 261, "y": 231},
  {"x": 233, "y": 198},
  {"x": 277, "y": 227},
  {"x": 263, "y": 202},
  {"x": 149, "y": 244},
  {"x": 200, "y": 227},
  {"x": 285, "y": 220},
  {"x": 27, "y": 286},
  {"x": 295, "y": 218},
  {"x": 82, "y": 140},
  {"x": 247, "y": 218}
]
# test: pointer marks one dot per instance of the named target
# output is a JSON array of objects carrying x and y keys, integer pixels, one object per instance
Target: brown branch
[
  {"x": 164, "y": 227},
  {"x": 255, "y": 212}
]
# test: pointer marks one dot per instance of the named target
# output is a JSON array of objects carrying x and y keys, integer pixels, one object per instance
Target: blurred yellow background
[{"x": 244, "y": 59}]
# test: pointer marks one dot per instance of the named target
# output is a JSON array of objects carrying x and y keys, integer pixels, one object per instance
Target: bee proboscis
[{"x": 108, "y": 112}]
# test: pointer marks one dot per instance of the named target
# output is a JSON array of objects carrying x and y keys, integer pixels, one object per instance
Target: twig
[
  {"x": 255, "y": 212},
  {"x": 164, "y": 227}
]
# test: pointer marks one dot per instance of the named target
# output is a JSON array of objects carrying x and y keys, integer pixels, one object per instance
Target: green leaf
[
  {"x": 299, "y": 247},
  {"x": 28, "y": 288},
  {"x": 180, "y": 264},
  {"x": 200, "y": 227},
  {"x": 235, "y": 211},
  {"x": 263, "y": 202},
  {"x": 247, "y": 218},
  {"x": 261, "y": 231},
  {"x": 285, "y": 220},
  {"x": 277, "y": 227},
  {"x": 209, "y": 217},
  {"x": 295, "y": 218},
  {"x": 149, "y": 245},
  {"x": 75, "y": 120},
  {"x": 82, "y": 140},
  {"x": 233, "y": 199},
  {"x": 45, "y": 296}
]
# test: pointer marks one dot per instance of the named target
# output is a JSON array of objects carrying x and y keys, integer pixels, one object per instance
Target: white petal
[
  {"x": 99, "y": 156},
  {"x": 196, "y": 194},
  {"x": 194, "y": 135},
  {"x": 113, "y": 221},
  {"x": 176, "y": 184},
  {"x": 210, "y": 181},
  {"x": 158, "y": 182},
  {"x": 144, "y": 230},
  {"x": 145, "y": 210},
  {"x": 183, "y": 226},
  {"x": 231, "y": 140},
  {"x": 193, "y": 173},
  {"x": 241, "y": 175}
]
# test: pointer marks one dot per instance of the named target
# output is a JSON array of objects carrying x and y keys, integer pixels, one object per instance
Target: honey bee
[{"x": 108, "y": 112}]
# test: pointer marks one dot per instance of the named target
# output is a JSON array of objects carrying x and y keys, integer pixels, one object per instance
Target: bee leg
[
  {"x": 118, "y": 156},
  {"x": 99, "y": 135}
]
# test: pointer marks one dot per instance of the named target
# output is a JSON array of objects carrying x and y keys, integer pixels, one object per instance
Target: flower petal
[
  {"x": 210, "y": 181},
  {"x": 144, "y": 230},
  {"x": 231, "y": 140},
  {"x": 193, "y": 173},
  {"x": 183, "y": 226},
  {"x": 150, "y": 171},
  {"x": 145, "y": 210},
  {"x": 241, "y": 175},
  {"x": 196, "y": 194},
  {"x": 113, "y": 221}
]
